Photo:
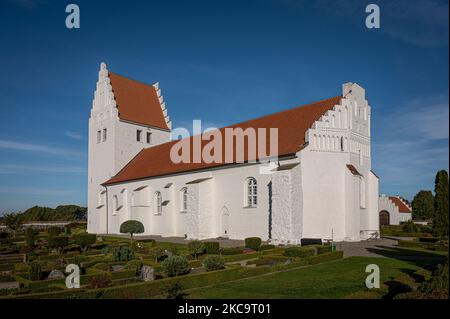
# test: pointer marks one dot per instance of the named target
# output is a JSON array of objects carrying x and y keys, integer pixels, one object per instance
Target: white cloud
[
  {"x": 429, "y": 116},
  {"x": 411, "y": 144},
  {"x": 74, "y": 135},
  {"x": 12, "y": 145}
]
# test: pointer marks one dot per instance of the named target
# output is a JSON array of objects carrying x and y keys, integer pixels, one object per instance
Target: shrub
[
  {"x": 132, "y": 227},
  {"x": 53, "y": 231},
  {"x": 299, "y": 252},
  {"x": 196, "y": 248},
  {"x": 253, "y": 243},
  {"x": 102, "y": 266},
  {"x": 266, "y": 247},
  {"x": 85, "y": 240},
  {"x": 323, "y": 249},
  {"x": 231, "y": 251},
  {"x": 156, "y": 253},
  {"x": 101, "y": 281},
  {"x": 212, "y": 247},
  {"x": 175, "y": 266},
  {"x": 30, "y": 236},
  {"x": 35, "y": 272},
  {"x": 213, "y": 262},
  {"x": 410, "y": 227},
  {"x": 437, "y": 285},
  {"x": 58, "y": 242},
  {"x": 122, "y": 253}
]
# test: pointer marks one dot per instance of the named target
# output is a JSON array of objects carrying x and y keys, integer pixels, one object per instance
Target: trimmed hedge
[
  {"x": 266, "y": 247},
  {"x": 85, "y": 240},
  {"x": 323, "y": 249},
  {"x": 231, "y": 251},
  {"x": 428, "y": 239},
  {"x": 300, "y": 251},
  {"x": 159, "y": 287},
  {"x": 54, "y": 231},
  {"x": 58, "y": 242},
  {"x": 212, "y": 247},
  {"x": 411, "y": 244},
  {"x": 253, "y": 243}
]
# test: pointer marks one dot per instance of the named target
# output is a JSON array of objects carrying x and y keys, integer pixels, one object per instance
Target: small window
[
  {"x": 104, "y": 135},
  {"x": 138, "y": 135},
  {"x": 149, "y": 137},
  {"x": 183, "y": 199},
  {"x": 251, "y": 192},
  {"x": 99, "y": 136},
  {"x": 158, "y": 203},
  {"x": 342, "y": 143}
]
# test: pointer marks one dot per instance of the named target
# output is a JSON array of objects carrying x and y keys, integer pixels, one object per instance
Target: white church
[{"x": 321, "y": 185}]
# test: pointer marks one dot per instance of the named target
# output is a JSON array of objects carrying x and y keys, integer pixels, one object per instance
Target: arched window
[
  {"x": 183, "y": 199},
  {"x": 158, "y": 203},
  {"x": 251, "y": 190},
  {"x": 115, "y": 204}
]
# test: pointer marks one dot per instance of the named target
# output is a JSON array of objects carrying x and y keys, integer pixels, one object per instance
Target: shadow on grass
[
  {"x": 423, "y": 259},
  {"x": 395, "y": 288}
]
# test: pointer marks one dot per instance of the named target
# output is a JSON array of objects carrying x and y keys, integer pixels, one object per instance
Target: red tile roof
[
  {"x": 137, "y": 102},
  {"x": 402, "y": 207},
  {"x": 292, "y": 125}
]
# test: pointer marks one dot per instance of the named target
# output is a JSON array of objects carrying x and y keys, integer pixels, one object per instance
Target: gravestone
[
  {"x": 147, "y": 273},
  {"x": 56, "y": 274}
]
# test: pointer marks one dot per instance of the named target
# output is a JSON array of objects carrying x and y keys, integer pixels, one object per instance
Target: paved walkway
[{"x": 362, "y": 248}]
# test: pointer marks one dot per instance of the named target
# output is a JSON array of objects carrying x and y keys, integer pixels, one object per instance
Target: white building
[
  {"x": 322, "y": 185},
  {"x": 393, "y": 210}
]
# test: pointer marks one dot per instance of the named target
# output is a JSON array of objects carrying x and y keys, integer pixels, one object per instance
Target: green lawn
[{"x": 338, "y": 279}]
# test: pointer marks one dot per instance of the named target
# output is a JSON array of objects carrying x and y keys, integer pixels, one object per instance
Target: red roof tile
[
  {"x": 292, "y": 125},
  {"x": 402, "y": 207},
  {"x": 137, "y": 102}
]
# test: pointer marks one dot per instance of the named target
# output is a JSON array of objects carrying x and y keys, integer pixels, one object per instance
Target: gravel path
[{"x": 360, "y": 248}]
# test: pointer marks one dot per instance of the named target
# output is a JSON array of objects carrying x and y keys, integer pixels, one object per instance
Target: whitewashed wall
[
  {"x": 107, "y": 157},
  {"x": 318, "y": 198}
]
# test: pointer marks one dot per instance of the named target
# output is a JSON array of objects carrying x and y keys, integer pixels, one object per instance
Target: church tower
[{"x": 126, "y": 116}]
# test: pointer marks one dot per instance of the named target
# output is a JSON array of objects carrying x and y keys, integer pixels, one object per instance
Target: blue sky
[{"x": 221, "y": 62}]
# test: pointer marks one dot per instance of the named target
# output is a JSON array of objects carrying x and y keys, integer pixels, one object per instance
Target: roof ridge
[
  {"x": 285, "y": 110},
  {"x": 134, "y": 80}
]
